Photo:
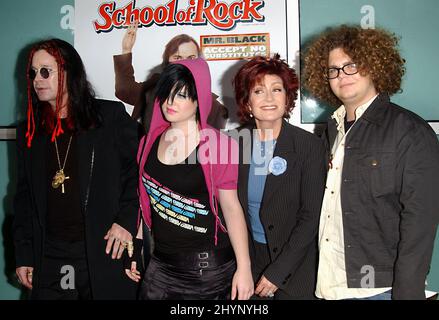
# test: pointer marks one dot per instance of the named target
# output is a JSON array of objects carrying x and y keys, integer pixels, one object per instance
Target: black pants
[
  {"x": 164, "y": 281},
  {"x": 64, "y": 272}
]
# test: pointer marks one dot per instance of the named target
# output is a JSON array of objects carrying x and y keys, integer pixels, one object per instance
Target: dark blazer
[
  {"x": 290, "y": 210},
  {"x": 108, "y": 181},
  {"x": 389, "y": 197}
]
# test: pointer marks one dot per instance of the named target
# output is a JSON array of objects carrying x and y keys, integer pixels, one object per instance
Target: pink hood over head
[
  {"x": 217, "y": 153},
  {"x": 201, "y": 73}
]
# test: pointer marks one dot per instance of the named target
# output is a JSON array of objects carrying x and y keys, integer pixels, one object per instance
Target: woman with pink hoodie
[{"x": 188, "y": 195}]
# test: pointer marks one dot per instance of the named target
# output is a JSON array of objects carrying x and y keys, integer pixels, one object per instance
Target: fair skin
[
  {"x": 267, "y": 103},
  {"x": 186, "y": 50},
  {"x": 242, "y": 283},
  {"x": 47, "y": 90},
  {"x": 353, "y": 90},
  {"x": 181, "y": 113},
  {"x": 182, "y": 137}
]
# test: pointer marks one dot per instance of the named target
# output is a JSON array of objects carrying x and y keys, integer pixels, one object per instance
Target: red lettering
[
  {"x": 190, "y": 12},
  {"x": 132, "y": 14},
  {"x": 171, "y": 5},
  {"x": 160, "y": 15},
  {"x": 180, "y": 16},
  {"x": 201, "y": 12},
  {"x": 118, "y": 17},
  {"x": 251, "y": 9},
  {"x": 219, "y": 14},
  {"x": 103, "y": 12},
  {"x": 221, "y": 11},
  {"x": 146, "y": 16},
  {"x": 232, "y": 10}
]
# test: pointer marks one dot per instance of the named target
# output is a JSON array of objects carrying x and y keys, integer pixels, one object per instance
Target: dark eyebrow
[{"x": 343, "y": 64}]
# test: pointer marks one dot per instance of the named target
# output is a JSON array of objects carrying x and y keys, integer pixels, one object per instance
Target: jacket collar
[
  {"x": 284, "y": 148},
  {"x": 340, "y": 114},
  {"x": 374, "y": 113},
  {"x": 377, "y": 110}
]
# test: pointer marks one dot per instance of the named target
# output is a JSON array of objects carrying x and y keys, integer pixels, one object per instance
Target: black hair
[{"x": 174, "y": 78}]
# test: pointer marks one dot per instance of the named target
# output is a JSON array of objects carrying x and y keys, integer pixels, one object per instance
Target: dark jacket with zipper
[
  {"x": 108, "y": 180},
  {"x": 389, "y": 197}
]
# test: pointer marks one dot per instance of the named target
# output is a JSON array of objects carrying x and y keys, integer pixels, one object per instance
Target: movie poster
[{"x": 227, "y": 31}]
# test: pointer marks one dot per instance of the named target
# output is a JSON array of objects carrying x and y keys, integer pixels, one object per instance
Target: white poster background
[{"x": 281, "y": 21}]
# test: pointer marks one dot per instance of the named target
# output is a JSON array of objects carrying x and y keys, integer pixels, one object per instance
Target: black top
[
  {"x": 108, "y": 179},
  {"x": 347, "y": 124},
  {"x": 180, "y": 210},
  {"x": 64, "y": 217}
]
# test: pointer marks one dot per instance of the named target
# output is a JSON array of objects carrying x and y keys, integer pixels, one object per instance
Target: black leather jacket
[{"x": 389, "y": 197}]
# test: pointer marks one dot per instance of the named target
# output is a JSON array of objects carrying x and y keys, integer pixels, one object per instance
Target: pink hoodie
[{"x": 217, "y": 153}]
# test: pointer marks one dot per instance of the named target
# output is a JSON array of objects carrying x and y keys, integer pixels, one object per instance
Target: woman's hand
[
  {"x": 242, "y": 285},
  {"x": 265, "y": 288},
  {"x": 133, "y": 273}
]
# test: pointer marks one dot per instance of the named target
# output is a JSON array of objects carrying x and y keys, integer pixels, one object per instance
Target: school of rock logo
[{"x": 221, "y": 15}]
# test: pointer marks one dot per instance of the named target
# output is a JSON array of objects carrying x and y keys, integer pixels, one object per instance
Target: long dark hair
[{"x": 82, "y": 114}]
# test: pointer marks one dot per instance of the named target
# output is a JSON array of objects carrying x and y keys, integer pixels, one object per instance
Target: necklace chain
[
  {"x": 60, "y": 177},
  {"x": 67, "y": 153}
]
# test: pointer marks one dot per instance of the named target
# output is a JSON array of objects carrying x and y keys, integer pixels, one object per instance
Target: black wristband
[{"x": 137, "y": 256}]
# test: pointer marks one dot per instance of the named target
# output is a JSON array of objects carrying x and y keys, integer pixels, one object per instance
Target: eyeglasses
[
  {"x": 348, "y": 69},
  {"x": 44, "y": 72}
]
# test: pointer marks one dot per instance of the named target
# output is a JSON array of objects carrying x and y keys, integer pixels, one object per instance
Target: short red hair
[{"x": 252, "y": 74}]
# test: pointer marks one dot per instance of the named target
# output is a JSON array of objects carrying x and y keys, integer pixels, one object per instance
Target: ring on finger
[
  {"x": 270, "y": 294},
  {"x": 130, "y": 247}
]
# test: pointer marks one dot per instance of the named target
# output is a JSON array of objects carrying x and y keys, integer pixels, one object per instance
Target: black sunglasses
[{"x": 44, "y": 72}]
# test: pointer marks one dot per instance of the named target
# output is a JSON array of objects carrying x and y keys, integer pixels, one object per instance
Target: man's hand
[
  {"x": 129, "y": 39},
  {"x": 118, "y": 238},
  {"x": 24, "y": 275}
]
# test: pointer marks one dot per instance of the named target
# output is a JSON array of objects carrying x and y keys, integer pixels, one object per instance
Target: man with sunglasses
[
  {"x": 381, "y": 204},
  {"x": 76, "y": 201}
]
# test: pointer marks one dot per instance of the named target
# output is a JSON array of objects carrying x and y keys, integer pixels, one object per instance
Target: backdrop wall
[{"x": 23, "y": 22}]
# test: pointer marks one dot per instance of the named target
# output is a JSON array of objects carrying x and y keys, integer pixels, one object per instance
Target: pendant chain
[
  {"x": 60, "y": 177},
  {"x": 67, "y": 153}
]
